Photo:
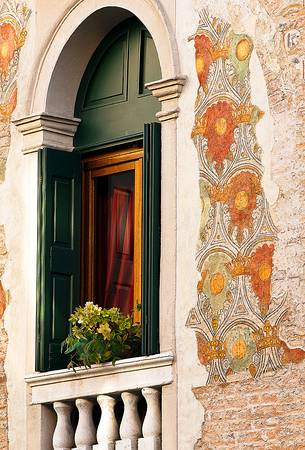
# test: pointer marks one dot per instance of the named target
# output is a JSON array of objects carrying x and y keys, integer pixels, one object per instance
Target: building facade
[{"x": 225, "y": 80}]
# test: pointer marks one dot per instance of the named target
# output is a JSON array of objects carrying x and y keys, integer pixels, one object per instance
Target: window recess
[{"x": 59, "y": 239}]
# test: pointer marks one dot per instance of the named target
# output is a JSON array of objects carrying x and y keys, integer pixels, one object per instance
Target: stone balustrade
[
  {"x": 128, "y": 432},
  {"x": 107, "y": 407}
]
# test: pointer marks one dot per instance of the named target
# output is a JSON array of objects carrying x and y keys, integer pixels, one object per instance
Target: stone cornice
[
  {"x": 167, "y": 91},
  {"x": 46, "y": 130}
]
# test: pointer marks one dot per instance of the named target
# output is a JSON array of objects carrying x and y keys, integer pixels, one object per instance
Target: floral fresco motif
[
  {"x": 217, "y": 125},
  {"x": 203, "y": 46},
  {"x": 240, "y": 50},
  {"x": 236, "y": 319},
  {"x": 240, "y": 348},
  {"x": 13, "y": 21},
  {"x": 240, "y": 195},
  {"x": 214, "y": 286}
]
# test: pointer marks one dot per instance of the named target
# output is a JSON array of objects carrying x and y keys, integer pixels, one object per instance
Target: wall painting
[
  {"x": 236, "y": 319},
  {"x": 13, "y": 21}
]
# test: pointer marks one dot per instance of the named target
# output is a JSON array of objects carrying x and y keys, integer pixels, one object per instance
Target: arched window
[{"x": 99, "y": 206}]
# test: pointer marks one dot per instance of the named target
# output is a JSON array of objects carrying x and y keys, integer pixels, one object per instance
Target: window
[
  {"x": 99, "y": 206},
  {"x": 112, "y": 230}
]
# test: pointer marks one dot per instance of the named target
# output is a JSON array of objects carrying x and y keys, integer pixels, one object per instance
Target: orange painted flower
[
  {"x": 8, "y": 44},
  {"x": 203, "y": 46},
  {"x": 241, "y": 195},
  {"x": 260, "y": 272},
  {"x": 219, "y": 131}
]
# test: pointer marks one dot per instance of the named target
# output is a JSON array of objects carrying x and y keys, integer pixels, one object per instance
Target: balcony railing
[
  {"x": 111, "y": 433},
  {"x": 104, "y": 408}
]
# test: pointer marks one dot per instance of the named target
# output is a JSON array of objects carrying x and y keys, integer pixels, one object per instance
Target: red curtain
[{"x": 119, "y": 255}]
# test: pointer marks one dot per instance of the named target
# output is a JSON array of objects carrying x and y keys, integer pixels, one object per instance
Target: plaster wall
[
  {"x": 18, "y": 194},
  {"x": 275, "y": 88}
]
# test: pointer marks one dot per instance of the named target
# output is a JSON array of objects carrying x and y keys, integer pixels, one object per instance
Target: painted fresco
[
  {"x": 13, "y": 21},
  {"x": 236, "y": 319}
]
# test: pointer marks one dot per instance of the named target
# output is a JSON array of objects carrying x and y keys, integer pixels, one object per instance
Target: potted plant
[{"x": 101, "y": 335}]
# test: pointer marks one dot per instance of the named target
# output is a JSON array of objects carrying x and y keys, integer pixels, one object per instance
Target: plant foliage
[{"x": 100, "y": 335}]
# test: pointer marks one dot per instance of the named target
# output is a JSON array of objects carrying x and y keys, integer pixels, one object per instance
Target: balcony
[{"x": 103, "y": 408}]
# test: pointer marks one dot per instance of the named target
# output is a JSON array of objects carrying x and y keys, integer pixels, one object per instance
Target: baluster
[
  {"x": 130, "y": 429},
  {"x": 152, "y": 423},
  {"x": 108, "y": 429},
  {"x": 63, "y": 437},
  {"x": 85, "y": 435}
]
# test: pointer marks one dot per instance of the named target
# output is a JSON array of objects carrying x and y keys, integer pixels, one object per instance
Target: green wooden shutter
[
  {"x": 151, "y": 238},
  {"x": 59, "y": 213},
  {"x": 112, "y": 101}
]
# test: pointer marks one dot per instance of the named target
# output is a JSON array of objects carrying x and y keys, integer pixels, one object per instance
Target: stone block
[
  {"x": 105, "y": 446},
  {"x": 127, "y": 444},
  {"x": 83, "y": 447},
  {"x": 149, "y": 443}
]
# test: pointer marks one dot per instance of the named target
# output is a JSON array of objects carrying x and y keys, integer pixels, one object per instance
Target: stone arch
[{"x": 77, "y": 36}]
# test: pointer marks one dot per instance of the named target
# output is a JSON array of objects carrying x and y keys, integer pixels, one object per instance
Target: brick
[{"x": 276, "y": 423}]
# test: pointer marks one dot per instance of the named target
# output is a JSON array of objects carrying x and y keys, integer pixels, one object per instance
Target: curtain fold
[{"x": 119, "y": 259}]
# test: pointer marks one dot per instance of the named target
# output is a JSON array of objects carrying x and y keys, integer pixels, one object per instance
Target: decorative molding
[
  {"x": 126, "y": 374},
  {"x": 162, "y": 116},
  {"x": 167, "y": 91},
  {"x": 45, "y": 130}
]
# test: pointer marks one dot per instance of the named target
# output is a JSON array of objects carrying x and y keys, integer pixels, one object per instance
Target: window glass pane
[{"x": 114, "y": 236}]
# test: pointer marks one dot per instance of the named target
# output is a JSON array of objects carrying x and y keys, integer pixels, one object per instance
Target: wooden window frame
[{"x": 93, "y": 167}]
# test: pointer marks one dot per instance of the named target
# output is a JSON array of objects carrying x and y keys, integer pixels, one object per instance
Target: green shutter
[
  {"x": 59, "y": 212},
  {"x": 151, "y": 238}
]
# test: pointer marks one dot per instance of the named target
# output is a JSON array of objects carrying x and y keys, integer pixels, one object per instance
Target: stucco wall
[{"x": 277, "y": 71}]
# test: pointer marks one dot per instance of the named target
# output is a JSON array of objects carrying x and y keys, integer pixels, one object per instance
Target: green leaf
[{"x": 87, "y": 346}]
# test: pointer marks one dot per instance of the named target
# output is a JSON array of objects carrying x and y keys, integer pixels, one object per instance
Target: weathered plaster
[
  {"x": 276, "y": 133},
  {"x": 13, "y": 22},
  {"x": 190, "y": 373}
]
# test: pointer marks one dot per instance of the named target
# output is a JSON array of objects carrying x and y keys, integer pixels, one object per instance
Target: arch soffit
[{"x": 47, "y": 90}]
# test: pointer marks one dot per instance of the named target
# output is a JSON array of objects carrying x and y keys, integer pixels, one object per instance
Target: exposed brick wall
[{"x": 267, "y": 413}]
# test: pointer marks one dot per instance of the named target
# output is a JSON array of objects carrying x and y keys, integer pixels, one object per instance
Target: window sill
[{"x": 126, "y": 374}]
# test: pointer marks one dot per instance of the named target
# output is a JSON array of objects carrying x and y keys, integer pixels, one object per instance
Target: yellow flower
[{"x": 105, "y": 330}]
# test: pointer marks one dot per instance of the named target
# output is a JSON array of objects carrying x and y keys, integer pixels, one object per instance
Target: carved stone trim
[
  {"x": 167, "y": 92},
  {"x": 45, "y": 130},
  {"x": 162, "y": 116}
]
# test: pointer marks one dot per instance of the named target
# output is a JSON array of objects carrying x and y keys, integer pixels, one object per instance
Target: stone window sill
[{"x": 125, "y": 375}]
